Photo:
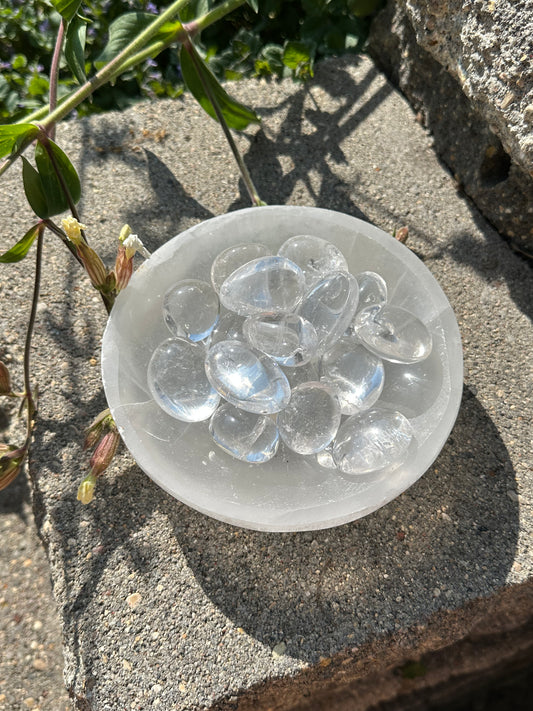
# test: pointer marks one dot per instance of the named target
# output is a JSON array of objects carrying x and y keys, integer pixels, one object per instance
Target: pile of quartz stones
[{"x": 288, "y": 346}]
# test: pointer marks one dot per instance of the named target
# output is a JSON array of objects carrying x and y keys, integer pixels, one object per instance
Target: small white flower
[{"x": 133, "y": 244}]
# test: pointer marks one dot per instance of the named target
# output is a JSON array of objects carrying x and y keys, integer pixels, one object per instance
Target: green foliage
[
  {"x": 20, "y": 249},
  {"x": 11, "y": 137},
  {"x": 272, "y": 38},
  {"x": 46, "y": 188},
  {"x": 197, "y": 76}
]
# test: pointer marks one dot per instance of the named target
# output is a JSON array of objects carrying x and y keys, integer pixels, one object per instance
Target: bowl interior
[{"x": 290, "y": 492}]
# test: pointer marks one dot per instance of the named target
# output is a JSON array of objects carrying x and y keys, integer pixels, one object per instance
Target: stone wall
[{"x": 466, "y": 67}]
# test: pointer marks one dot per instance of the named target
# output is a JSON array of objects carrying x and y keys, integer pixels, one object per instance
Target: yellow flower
[
  {"x": 73, "y": 229},
  {"x": 86, "y": 489}
]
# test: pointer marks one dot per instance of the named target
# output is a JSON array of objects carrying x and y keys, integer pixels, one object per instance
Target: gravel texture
[{"x": 162, "y": 607}]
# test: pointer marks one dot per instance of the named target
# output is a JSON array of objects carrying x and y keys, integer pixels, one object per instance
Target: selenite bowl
[{"x": 290, "y": 492}]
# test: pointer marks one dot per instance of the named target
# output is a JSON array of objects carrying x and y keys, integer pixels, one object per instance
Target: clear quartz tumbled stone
[
  {"x": 178, "y": 383},
  {"x": 393, "y": 333},
  {"x": 247, "y": 378},
  {"x": 355, "y": 375},
  {"x": 330, "y": 306},
  {"x": 315, "y": 256},
  {"x": 228, "y": 328},
  {"x": 371, "y": 441},
  {"x": 245, "y": 435},
  {"x": 190, "y": 309},
  {"x": 287, "y": 338},
  {"x": 311, "y": 419},
  {"x": 232, "y": 258},
  {"x": 372, "y": 289},
  {"x": 272, "y": 284}
]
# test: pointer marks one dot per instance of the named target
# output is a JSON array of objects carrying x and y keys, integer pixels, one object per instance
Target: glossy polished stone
[
  {"x": 232, "y": 258},
  {"x": 247, "y": 378},
  {"x": 371, "y": 441},
  {"x": 330, "y": 306},
  {"x": 287, "y": 338},
  {"x": 228, "y": 328},
  {"x": 190, "y": 309},
  {"x": 315, "y": 256},
  {"x": 372, "y": 289},
  {"x": 311, "y": 419},
  {"x": 272, "y": 284},
  {"x": 245, "y": 435},
  {"x": 393, "y": 333},
  {"x": 178, "y": 383},
  {"x": 355, "y": 375}
]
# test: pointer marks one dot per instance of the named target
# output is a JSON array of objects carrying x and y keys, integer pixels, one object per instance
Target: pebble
[
  {"x": 232, "y": 258},
  {"x": 311, "y": 419},
  {"x": 190, "y": 309},
  {"x": 178, "y": 383},
  {"x": 393, "y": 333},
  {"x": 267, "y": 284},
  {"x": 244, "y": 435},
  {"x": 315, "y": 256},
  {"x": 247, "y": 378},
  {"x": 287, "y": 338},
  {"x": 371, "y": 441}
]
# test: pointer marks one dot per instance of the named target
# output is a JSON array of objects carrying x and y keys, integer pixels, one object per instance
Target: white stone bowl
[{"x": 290, "y": 492}]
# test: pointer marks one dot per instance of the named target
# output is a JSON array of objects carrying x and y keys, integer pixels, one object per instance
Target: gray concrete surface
[{"x": 219, "y": 612}]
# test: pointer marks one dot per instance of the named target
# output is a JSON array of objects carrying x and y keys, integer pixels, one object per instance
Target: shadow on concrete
[{"x": 450, "y": 538}]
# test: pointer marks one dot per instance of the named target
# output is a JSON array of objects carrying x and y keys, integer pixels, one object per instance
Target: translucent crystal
[
  {"x": 232, "y": 258},
  {"x": 287, "y": 338},
  {"x": 325, "y": 458},
  {"x": 371, "y": 441},
  {"x": 413, "y": 387},
  {"x": 315, "y": 256},
  {"x": 311, "y": 419},
  {"x": 178, "y": 383},
  {"x": 228, "y": 328},
  {"x": 393, "y": 333},
  {"x": 307, "y": 373},
  {"x": 330, "y": 306},
  {"x": 355, "y": 375},
  {"x": 190, "y": 309},
  {"x": 267, "y": 284},
  {"x": 244, "y": 435},
  {"x": 247, "y": 378},
  {"x": 372, "y": 289}
]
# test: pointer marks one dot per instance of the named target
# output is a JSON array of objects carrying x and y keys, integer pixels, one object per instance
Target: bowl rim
[{"x": 110, "y": 374}]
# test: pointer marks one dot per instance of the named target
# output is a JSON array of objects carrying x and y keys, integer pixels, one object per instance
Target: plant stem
[
  {"x": 54, "y": 72},
  {"x": 124, "y": 60},
  {"x": 217, "y": 13},
  {"x": 250, "y": 187},
  {"x": 27, "y": 345},
  {"x": 109, "y": 71}
]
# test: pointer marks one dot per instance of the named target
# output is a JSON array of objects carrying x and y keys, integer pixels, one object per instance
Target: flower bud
[
  {"x": 94, "y": 432},
  {"x": 93, "y": 264},
  {"x": 133, "y": 244},
  {"x": 86, "y": 489},
  {"x": 5, "y": 380},
  {"x": 104, "y": 452},
  {"x": 10, "y": 463},
  {"x": 123, "y": 268}
]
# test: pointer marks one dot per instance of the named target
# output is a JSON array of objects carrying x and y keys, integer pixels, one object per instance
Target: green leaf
[
  {"x": 125, "y": 28},
  {"x": 237, "y": 115},
  {"x": 194, "y": 9},
  {"x": 75, "y": 48},
  {"x": 33, "y": 188},
  {"x": 254, "y": 4},
  {"x": 20, "y": 250},
  {"x": 298, "y": 57},
  {"x": 66, "y": 8},
  {"x": 55, "y": 195},
  {"x": 12, "y": 136}
]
